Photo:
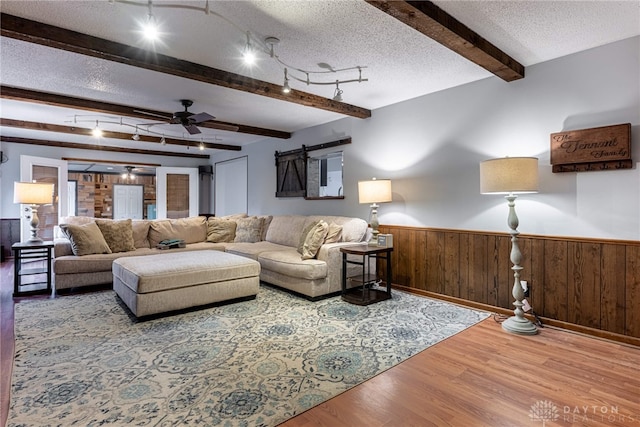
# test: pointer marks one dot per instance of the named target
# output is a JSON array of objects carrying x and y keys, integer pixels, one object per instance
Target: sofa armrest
[
  {"x": 61, "y": 247},
  {"x": 330, "y": 253}
]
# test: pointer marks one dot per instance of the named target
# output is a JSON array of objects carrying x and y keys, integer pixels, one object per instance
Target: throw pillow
[
  {"x": 314, "y": 239},
  {"x": 249, "y": 230},
  {"x": 303, "y": 236},
  {"x": 334, "y": 234},
  {"x": 220, "y": 230},
  {"x": 118, "y": 234},
  {"x": 85, "y": 239}
]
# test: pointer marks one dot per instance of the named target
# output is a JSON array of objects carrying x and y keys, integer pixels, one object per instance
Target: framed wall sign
[{"x": 602, "y": 148}]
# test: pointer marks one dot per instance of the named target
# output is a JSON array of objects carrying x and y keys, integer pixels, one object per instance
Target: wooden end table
[
  {"x": 364, "y": 294},
  {"x": 25, "y": 253}
]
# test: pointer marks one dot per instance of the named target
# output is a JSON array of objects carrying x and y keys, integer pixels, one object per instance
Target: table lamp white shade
[
  {"x": 32, "y": 193},
  {"x": 509, "y": 175},
  {"x": 374, "y": 191}
]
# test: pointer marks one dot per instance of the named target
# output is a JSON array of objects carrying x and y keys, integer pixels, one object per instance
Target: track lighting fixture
[
  {"x": 337, "y": 94},
  {"x": 267, "y": 46},
  {"x": 248, "y": 54},
  {"x": 150, "y": 28},
  {"x": 201, "y": 146},
  {"x": 285, "y": 86},
  {"x": 163, "y": 141},
  {"x": 96, "y": 132},
  {"x": 136, "y": 136}
]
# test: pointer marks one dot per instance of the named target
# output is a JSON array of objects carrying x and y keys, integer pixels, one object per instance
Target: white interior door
[
  {"x": 176, "y": 192},
  {"x": 231, "y": 187},
  {"x": 54, "y": 171},
  {"x": 128, "y": 201}
]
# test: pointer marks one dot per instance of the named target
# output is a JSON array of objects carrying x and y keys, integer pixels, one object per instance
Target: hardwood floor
[{"x": 480, "y": 377}]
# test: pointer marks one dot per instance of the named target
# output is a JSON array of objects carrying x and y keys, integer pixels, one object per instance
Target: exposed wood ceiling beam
[
  {"x": 108, "y": 134},
  {"x": 112, "y": 162},
  {"x": 18, "y": 94},
  {"x": 59, "y": 144},
  {"x": 433, "y": 22},
  {"x": 60, "y": 38}
]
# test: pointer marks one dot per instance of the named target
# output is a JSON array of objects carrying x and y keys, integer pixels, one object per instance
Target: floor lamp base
[{"x": 520, "y": 326}]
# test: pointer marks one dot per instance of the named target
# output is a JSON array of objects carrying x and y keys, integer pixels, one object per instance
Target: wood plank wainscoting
[{"x": 583, "y": 284}]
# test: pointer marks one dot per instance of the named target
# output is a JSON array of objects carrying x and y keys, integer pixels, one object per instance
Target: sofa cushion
[
  {"x": 220, "y": 230},
  {"x": 140, "y": 233},
  {"x": 85, "y": 239},
  {"x": 253, "y": 250},
  {"x": 249, "y": 230},
  {"x": 334, "y": 233},
  {"x": 92, "y": 263},
  {"x": 191, "y": 230},
  {"x": 288, "y": 262},
  {"x": 117, "y": 233},
  {"x": 286, "y": 229},
  {"x": 313, "y": 239}
]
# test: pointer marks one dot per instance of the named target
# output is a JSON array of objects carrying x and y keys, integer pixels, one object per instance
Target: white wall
[{"x": 431, "y": 147}]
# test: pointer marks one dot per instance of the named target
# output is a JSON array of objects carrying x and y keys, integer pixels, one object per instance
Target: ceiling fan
[{"x": 187, "y": 119}]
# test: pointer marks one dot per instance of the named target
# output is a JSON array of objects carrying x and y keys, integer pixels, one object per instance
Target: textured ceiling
[{"x": 401, "y": 63}]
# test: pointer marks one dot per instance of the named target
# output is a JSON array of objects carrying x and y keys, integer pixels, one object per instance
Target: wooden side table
[
  {"x": 364, "y": 294},
  {"x": 25, "y": 253}
]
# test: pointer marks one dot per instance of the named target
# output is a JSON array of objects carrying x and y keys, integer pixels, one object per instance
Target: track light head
[
  {"x": 285, "y": 86},
  {"x": 249, "y": 54},
  {"x": 337, "y": 95},
  {"x": 97, "y": 132}
]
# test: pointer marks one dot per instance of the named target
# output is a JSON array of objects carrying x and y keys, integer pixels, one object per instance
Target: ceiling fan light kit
[{"x": 253, "y": 46}]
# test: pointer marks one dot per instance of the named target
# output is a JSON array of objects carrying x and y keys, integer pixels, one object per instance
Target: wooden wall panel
[
  {"x": 483, "y": 248},
  {"x": 452, "y": 264},
  {"x": 591, "y": 283},
  {"x": 555, "y": 280},
  {"x": 583, "y": 292},
  {"x": 632, "y": 297},
  {"x": 612, "y": 294},
  {"x": 435, "y": 261}
]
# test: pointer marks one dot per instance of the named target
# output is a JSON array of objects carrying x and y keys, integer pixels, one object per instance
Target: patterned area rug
[{"x": 81, "y": 360}]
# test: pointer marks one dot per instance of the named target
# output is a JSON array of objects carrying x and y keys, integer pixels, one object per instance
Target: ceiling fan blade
[
  {"x": 201, "y": 117},
  {"x": 192, "y": 129},
  {"x": 152, "y": 114}
]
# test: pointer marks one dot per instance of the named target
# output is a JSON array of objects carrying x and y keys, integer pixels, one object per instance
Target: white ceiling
[{"x": 401, "y": 63}]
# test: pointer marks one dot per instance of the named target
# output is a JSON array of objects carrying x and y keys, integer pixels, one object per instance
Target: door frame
[
  {"x": 26, "y": 175},
  {"x": 161, "y": 189}
]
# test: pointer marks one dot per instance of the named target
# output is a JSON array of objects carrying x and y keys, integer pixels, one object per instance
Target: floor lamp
[
  {"x": 511, "y": 175},
  {"x": 33, "y": 194},
  {"x": 374, "y": 192}
]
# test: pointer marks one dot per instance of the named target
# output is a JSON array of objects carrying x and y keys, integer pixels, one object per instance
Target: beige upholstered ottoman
[{"x": 161, "y": 283}]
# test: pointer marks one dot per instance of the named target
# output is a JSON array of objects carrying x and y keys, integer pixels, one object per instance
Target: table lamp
[
  {"x": 511, "y": 175},
  {"x": 374, "y": 192},
  {"x": 33, "y": 194}
]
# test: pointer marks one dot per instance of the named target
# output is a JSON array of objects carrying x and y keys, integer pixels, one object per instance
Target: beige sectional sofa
[{"x": 273, "y": 241}]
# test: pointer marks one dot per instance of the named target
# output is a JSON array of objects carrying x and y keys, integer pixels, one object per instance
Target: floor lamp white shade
[
  {"x": 33, "y": 194},
  {"x": 511, "y": 175},
  {"x": 374, "y": 191}
]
